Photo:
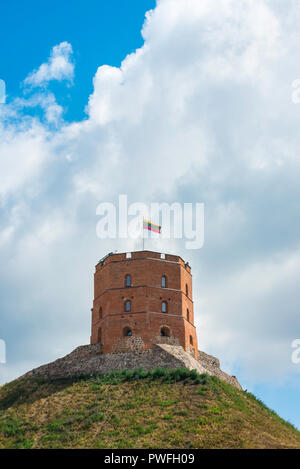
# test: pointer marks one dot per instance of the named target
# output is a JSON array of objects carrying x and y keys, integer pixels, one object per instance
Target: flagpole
[{"x": 143, "y": 235}]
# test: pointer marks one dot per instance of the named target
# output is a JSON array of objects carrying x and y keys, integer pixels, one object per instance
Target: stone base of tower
[
  {"x": 89, "y": 359},
  {"x": 147, "y": 328}
]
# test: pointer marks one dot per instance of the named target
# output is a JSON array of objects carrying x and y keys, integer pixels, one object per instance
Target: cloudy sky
[{"x": 179, "y": 100}]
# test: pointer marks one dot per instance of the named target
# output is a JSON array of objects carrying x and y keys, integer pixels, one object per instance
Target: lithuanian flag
[{"x": 147, "y": 225}]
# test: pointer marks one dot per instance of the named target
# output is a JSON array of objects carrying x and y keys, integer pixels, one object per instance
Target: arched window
[
  {"x": 127, "y": 306},
  {"x": 128, "y": 280},
  {"x": 188, "y": 315},
  {"x": 191, "y": 340},
  {"x": 127, "y": 331},
  {"x": 100, "y": 313},
  {"x": 163, "y": 281},
  {"x": 164, "y": 307},
  {"x": 186, "y": 289},
  {"x": 165, "y": 332}
]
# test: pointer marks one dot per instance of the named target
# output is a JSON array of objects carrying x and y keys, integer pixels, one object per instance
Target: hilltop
[{"x": 137, "y": 409}]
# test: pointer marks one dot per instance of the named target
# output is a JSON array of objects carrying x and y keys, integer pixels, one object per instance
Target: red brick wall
[{"x": 146, "y": 295}]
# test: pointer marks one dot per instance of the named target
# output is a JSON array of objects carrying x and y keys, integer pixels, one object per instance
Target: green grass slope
[{"x": 157, "y": 409}]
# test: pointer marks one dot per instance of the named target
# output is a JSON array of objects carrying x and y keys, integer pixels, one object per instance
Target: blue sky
[
  {"x": 95, "y": 28},
  {"x": 193, "y": 104}
]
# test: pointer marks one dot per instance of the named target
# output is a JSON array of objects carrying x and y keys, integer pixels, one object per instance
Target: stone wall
[
  {"x": 89, "y": 359},
  {"x": 212, "y": 364},
  {"x": 128, "y": 344},
  {"x": 209, "y": 361}
]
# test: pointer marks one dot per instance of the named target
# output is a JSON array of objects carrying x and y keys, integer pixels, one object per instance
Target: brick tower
[{"x": 140, "y": 299}]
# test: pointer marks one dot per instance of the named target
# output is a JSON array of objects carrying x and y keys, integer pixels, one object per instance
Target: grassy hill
[{"x": 136, "y": 409}]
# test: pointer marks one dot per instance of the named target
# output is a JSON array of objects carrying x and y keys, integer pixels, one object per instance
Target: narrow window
[
  {"x": 99, "y": 335},
  {"x": 188, "y": 315},
  {"x": 163, "y": 281},
  {"x": 128, "y": 280},
  {"x": 186, "y": 289},
  {"x": 127, "y": 331},
  {"x": 100, "y": 313},
  {"x": 191, "y": 340},
  {"x": 164, "y": 307},
  {"x": 127, "y": 306}
]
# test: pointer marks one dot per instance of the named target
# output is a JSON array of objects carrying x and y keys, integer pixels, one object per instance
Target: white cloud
[
  {"x": 23, "y": 152},
  {"x": 59, "y": 67},
  {"x": 201, "y": 113},
  {"x": 256, "y": 317}
]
